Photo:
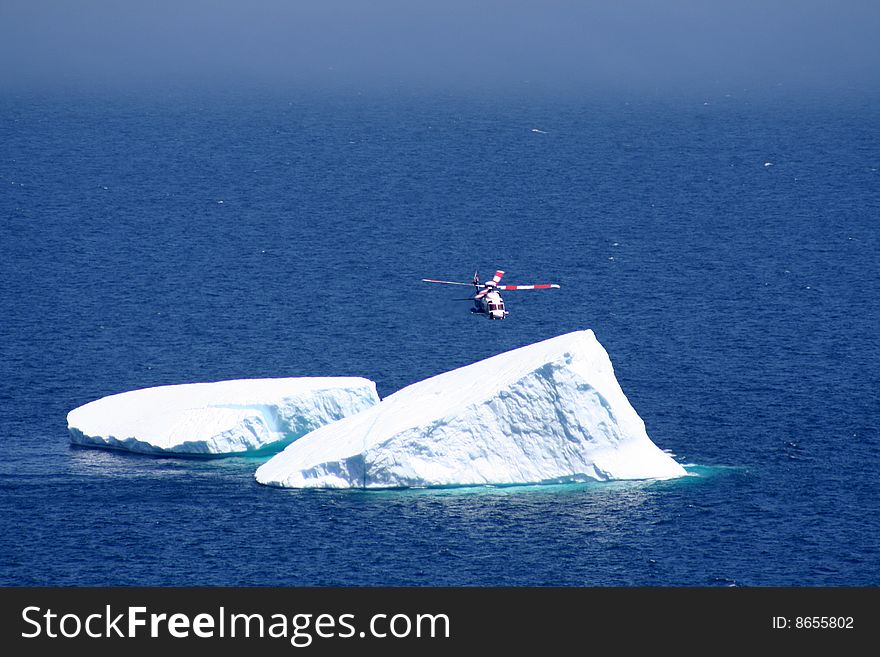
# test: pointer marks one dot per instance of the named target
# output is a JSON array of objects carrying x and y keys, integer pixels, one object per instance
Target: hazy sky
[{"x": 559, "y": 45}]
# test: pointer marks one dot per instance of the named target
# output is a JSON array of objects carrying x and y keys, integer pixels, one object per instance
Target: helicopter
[{"x": 487, "y": 300}]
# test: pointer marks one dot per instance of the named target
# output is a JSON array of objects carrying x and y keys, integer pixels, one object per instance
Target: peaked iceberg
[
  {"x": 548, "y": 412},
  {"x": 223, "y": 417}
]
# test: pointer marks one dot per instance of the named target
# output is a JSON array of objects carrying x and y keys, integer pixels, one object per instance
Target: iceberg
[
  {"x": 223, "y": 417},
  {"x": 550, "y": 412}
]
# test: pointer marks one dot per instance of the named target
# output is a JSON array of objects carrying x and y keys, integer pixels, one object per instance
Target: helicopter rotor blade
[
  {"x": 545, "y": 286},
  {"x": 431, "y": 280}
]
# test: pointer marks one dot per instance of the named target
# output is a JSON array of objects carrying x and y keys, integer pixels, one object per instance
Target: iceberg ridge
[{"x": 550, "y": 412}]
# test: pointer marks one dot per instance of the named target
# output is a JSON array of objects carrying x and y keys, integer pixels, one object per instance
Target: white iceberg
[
  {"x": 223, "y": 417},
  {"x": 550, "y": 412}
]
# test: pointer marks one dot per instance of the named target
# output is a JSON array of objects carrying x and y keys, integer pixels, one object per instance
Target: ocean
[{"x": 723, "y": 247}]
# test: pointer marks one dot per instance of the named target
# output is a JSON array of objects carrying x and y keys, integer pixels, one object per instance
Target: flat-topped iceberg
[
  {"x": 545, "y": 413},
  {"x": 224, "y": 417}
]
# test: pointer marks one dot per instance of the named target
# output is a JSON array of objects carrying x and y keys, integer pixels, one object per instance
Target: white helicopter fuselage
[{"x": 491, "y": 304}]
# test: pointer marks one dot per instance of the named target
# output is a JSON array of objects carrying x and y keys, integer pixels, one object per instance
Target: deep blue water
[{"x": 737, "y": 300}]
